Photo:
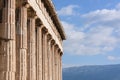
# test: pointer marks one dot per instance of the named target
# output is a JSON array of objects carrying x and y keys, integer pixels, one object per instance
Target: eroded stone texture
[
  {"x": 7, "y": 41},
  {"x": 31, "y": 57},
  {"x": 30, "y": 40},
  {"x": 21, "y": 44},
  {"x": 39, "y": 55}
]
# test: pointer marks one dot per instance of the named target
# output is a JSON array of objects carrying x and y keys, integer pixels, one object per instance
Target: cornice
[{"x": 52, "y": 12}]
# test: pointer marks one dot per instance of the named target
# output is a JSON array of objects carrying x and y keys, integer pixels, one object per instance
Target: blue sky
[{"x": 93, "y": 31}]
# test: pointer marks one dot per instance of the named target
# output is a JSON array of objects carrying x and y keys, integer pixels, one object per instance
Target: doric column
[
  {"x": 49, "y": 58},
  {"x": 21, "y": 38},
  {"x": 45, "y": 54},
  {"x": 7, "y": 28},
  {"x": 7, "y": 41},
  {"x": 31, "y": 57},
  {"x": 53, "y": 60},
  {"x": 56, "y": 62},
  {"x": 39, "y": 55},
  {"x": 61, "y": 66}
]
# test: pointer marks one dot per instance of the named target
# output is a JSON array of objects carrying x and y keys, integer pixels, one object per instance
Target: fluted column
[
  {"x": 39, "y": 57},
  {"x": 31, "y": 56},
  {"x": 56, "y": 62},
  {"x": 53, "y": 60},
  {"x": 61, "y": 66},
  {"x": 45, "y": 55},
  {"x": 7, "y": 41},
  {"x": 57, "y": 54},
  {"x": 49, "y": 58},
  {"x": 21, "y": 38}
]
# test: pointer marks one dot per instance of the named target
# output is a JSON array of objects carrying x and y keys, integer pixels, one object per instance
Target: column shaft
[
  {"x": 7, "y": 42},
  {"x": 51, "y": 73},
  {"x": 53, "y": 62},
  {"x": 57, "y": 65},
  {"x": 21, "y": 38},
  {"x": 31, "y": 57},
  {"x": 45, "y": 57},
  {"x": 49, "y": 60},
  {"x": 60, "y": 67},
  {"x": 39, "y": 54},
  {"x": 7, "y": 28}
]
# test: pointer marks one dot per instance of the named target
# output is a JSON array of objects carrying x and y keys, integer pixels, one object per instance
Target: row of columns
[{"x": 27, "y": 51}]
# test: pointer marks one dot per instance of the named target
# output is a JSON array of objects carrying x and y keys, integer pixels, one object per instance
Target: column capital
[
  {"x": 20, "y": 3},
  {"x": 45, "y": 30},
  {"x": 56, "y": 45},
  {"x": 26, "y": 4},
  {"x": 38, "y": 22},
  {"x": 61, "y": 53},
  {"x": 59, "y": 50},
  {"x": 53, "y": 42},
  {"x": 31, "y": 13},
  {"x": 49, "y": 37}
]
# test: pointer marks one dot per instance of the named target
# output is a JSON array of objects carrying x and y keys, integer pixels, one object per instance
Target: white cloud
[
  {"x": 99, "y": 35},
  {"x": 68, "y": 10},
  {"x": 113, "y": 58},
  {"x": 97, "y": 40},
  {"x": 102, "y": 16},
  {"x": 70, "y": 30},
  {"x": 70, "y": 65}
]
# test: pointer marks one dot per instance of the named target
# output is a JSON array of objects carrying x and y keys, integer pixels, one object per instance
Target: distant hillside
[{"x": 107, "y": 72}]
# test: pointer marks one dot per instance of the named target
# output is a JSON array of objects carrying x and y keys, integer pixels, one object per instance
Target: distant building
[{"x": 31, "y": 39}]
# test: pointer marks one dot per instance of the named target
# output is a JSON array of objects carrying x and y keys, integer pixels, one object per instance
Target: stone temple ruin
[{"x": 31, "y": 39}]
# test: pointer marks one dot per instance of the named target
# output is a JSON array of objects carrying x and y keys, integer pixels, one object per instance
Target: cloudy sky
[{"x": 93, "y": 31}]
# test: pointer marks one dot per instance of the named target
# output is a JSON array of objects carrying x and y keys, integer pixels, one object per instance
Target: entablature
[{"x": 49, "y": 12}]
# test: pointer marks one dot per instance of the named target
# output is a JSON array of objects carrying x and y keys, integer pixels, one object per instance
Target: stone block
[
  {"x": 8, "y": 57},
  {"x": 7, "y": 27},
  {"x": 3, "y": 63},
  {"x": 9, "y": 75},
  {"x": 2, "y": 76},
  {"x": 8, "y": 15},
  {"x": 7, "y": 31},
  {"x": 21, "y": 72}
]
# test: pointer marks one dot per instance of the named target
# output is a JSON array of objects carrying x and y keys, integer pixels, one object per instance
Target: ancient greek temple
[{"x": 31, "y": 37}]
